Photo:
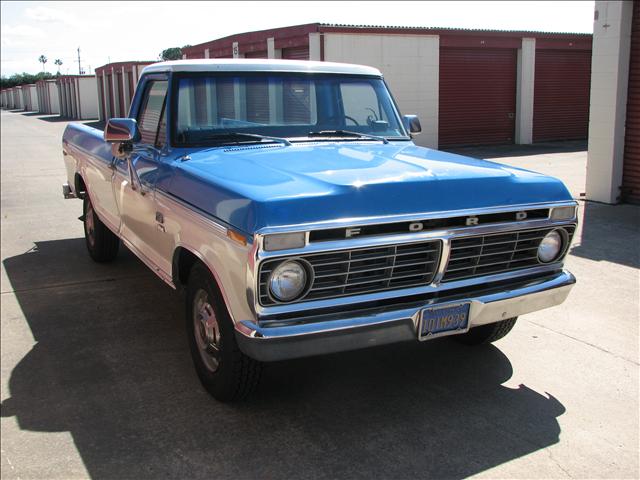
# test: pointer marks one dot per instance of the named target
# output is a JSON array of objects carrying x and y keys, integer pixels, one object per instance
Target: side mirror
[
  {"x": 119, "y": 130},
  {"x": 412, "y": 123}
]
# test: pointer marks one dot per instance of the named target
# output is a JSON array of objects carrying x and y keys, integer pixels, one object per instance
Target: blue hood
[{"x": 274, "y": 185}]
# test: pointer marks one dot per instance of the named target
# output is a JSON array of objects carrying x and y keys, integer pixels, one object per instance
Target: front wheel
[
  {"x": 485, "y": 334},
  {"x": 225, "y": 372},
  {"x": 102, "y": 243}
]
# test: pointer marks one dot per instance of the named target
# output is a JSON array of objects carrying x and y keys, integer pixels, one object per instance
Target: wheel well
[
  {"x": 79, "y": 186},
  {"x": 183, "y": 260}
]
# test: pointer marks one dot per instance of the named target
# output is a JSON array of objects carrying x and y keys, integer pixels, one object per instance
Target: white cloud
[
  {"x": 48, "y": 15},
  {"x": 21, "y": 31},
  {"x": 19, "y": 35}
]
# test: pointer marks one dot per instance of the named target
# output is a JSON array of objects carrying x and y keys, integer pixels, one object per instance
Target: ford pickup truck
[{"x": 289, "y": 202}]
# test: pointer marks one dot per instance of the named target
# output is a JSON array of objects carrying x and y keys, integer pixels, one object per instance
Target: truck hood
[{"x": 254, "y": 187}]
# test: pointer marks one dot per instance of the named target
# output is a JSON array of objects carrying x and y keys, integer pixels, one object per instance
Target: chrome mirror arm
[{"x": 134, "y": 178}]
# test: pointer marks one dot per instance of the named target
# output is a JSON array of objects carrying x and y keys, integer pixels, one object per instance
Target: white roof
[{"x": 255, "y": 65}]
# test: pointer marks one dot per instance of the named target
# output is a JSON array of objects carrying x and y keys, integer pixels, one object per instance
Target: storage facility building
[
  {"x": 116, "y": 83},
  {"x": 78, "y": 96},
  {"x": 469, "y": 87},
  {"x": 48, "y": 99}
]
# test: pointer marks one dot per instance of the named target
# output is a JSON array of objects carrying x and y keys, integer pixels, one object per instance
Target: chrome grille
[
  {"x": 496, "y": 253},
  {"x": 363, "y": 270}
]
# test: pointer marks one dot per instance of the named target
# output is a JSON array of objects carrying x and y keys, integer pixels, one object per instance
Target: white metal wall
[
  {"x": 410, "y": 66},
  {"x": 609, "y": 77},
  {"x": 88, "y": 97},
  {"x": 54, "y": 100}
]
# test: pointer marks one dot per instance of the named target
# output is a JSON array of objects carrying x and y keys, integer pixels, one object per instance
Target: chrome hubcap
[
  {"x": 206, "y": 330},
  {"x": 89, "y": 224}
]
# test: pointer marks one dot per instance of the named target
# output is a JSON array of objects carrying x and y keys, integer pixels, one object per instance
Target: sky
[{"x": 120, "y": 31}]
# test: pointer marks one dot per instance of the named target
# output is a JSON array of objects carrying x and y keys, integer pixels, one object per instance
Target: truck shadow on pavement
[{"x": 111, "y": 366}]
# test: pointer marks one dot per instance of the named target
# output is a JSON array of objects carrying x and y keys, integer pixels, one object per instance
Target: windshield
[{"x": 221, "y": 107}]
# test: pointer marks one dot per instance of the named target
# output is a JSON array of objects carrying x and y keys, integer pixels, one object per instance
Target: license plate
[{"x": 447, "y": 320}]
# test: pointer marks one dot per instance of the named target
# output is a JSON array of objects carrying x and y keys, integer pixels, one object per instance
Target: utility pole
[{"x": 79, "y": 65}]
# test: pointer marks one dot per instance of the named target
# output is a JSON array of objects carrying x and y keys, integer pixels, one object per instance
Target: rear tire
[
  {"x": 224, "y": 371},
  {"x": 485, "y": 334},
  {"x": 102, "y": 243}
]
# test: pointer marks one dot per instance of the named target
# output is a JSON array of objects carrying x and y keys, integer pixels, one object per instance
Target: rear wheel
[
  {"x": 225, "y": 372},
  {"x": 486, "y": 334},
  {"x": 102, "y": 243}
]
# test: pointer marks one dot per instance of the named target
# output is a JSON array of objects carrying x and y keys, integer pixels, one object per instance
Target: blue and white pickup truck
[{"x": 289, "y": 201}]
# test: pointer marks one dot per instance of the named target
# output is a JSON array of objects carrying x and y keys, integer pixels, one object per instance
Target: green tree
[
  {"x": 173, "y": 53},
  {"x": 42, "y": 59},
  {"x": 24, "y": 78},
  {"x": 58, "y": 62}
]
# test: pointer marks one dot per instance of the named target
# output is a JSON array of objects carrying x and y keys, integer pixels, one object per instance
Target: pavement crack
[
  {"x": 558, "y": 464},
  {"x": 71, "y": 284},
  {"x": 586, "y": 343}
]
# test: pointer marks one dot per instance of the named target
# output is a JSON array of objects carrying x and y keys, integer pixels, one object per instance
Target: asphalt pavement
[{"x": 97, "y": 379}]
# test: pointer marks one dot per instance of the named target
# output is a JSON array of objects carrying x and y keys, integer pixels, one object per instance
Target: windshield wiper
[
  {"x": 230, "y": 135},
  {"x": 328, "y": 133}
]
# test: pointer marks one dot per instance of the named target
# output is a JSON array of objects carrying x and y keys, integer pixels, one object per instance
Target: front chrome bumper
[
  {"x": 323, "y": 334},
  {"x": 67, "y": 192}
]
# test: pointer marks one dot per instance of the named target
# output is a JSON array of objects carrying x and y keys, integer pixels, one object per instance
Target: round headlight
[
  {"x": 288, "y": 281},
  {"x": 550, "y": 247}
]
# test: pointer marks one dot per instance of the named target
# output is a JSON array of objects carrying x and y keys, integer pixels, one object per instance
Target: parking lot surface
[{"x": 97, "y": 379}]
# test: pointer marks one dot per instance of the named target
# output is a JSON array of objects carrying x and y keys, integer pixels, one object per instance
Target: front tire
[
  {"x": 485, "y": 334},
  {"x": 224, "y": 371},
  {"x": 102, "y": 243}
]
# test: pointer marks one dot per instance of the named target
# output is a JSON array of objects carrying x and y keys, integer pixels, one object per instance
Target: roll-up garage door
[
  {"x": 631, "y": 169},
  {"x": 262, "y": 54},
  {"x": 477, "y": 96},
  {"x": 296, "y": 53},
  {"x": 561, "y": 95},
  {"x": 257, "y": 91}
]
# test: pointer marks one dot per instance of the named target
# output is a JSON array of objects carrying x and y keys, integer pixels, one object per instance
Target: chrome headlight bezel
[{"x": 305, "y": 285}]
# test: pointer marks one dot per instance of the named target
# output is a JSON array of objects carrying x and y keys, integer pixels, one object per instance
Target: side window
[
  {"x": 151, "y": 111},
  {"x": 360, "y": 102},
  {"x": 161, "y": 138}
]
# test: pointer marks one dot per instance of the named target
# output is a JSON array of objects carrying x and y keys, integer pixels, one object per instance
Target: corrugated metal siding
[
  {"x": 296, "y": 53},
  {"x": 561, "y": 95},
  {"x": 631, "y": 165},
  {"x": 477, "y": 96}
]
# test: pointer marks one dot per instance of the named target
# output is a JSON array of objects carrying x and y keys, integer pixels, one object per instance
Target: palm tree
[
  {"x": 42, "y": 59},
  {"x": 58, "y": 62}
]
